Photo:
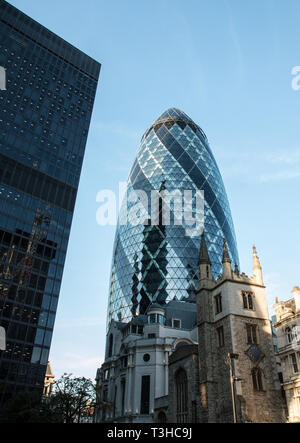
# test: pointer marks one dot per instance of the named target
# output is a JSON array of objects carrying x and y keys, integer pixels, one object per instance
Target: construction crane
[{"x": 25, "y": 264}]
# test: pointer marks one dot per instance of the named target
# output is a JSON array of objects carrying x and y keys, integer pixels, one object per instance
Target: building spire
[
  {"x": 204, "y": 263},
  {"x": 227, "y": 273},
  {"x": 257, "y": 271},
  {"x": 203, "y": 256},
  {"x": 226, "y": 258}
]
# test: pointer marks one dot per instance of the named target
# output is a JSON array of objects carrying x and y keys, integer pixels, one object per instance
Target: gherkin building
[{"x": 154, "y": 262}]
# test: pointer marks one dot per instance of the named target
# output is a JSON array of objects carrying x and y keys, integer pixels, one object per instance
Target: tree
[
  {"x": 72, "y": 397},
  {"x": 27, "y": 407}
]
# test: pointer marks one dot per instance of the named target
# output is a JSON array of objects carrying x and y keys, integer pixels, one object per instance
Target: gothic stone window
[
  {"x": 251, "y": 334},
  {"x": 220, "y": 335},
  {"x": 257, "y": 379},
  {"x": 248, "y": 300},
  {"x": 218, "y": 303},
  {"x": 181, "y": 392}
]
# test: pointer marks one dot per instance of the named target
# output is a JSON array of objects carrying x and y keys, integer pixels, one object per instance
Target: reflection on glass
[{"x": 157, "y": 263}]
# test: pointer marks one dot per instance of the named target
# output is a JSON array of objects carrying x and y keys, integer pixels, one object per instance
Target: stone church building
[{"x": 207, "y": 359}]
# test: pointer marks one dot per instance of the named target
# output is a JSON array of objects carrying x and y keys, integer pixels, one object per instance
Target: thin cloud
[
  {"x": 288, "y": 158},
  {"x": 264, "y": 167},
  {"x": 118, "y": 129},
  {"x": 84, "y": 322},
  {"x": 236, "y": 44},
  {"x": 273, "y": 289},
  {"x": 76, "y": 364},
  {"x": 279, "y": 176}
]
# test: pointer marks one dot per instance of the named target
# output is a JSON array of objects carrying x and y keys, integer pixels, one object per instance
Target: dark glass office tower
[
  {"x": 45, "y": 113},
  {"x": 155, "y": 263}
]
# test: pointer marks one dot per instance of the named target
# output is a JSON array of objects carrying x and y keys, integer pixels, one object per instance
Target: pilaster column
[{"x": 166, "y": 372}]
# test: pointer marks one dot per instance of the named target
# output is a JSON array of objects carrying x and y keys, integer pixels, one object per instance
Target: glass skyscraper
[
  {"x": 45, "y": 114},
  {"x": 154, "y": 262}
]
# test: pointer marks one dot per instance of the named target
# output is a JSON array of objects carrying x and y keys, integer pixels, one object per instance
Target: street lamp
[{"x": 233, "y": 379}]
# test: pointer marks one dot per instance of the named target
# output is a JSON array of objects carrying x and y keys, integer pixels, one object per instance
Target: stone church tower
[{"x": 234, "y": 332}]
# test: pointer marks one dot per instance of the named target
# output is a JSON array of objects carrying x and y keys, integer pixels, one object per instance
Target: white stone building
[
  {"x": 288, "y": 336},
  {"x": 135, "y": 371}
]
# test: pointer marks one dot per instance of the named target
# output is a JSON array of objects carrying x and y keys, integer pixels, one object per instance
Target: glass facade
[
  {"x": 45, "y": 113},
  {"x": 158, "y": 262}
]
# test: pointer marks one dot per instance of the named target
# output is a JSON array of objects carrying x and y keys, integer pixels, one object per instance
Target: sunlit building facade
[
  {"x": 156, "y": 262},
  {"x": 287, "y": 327},
  {"x": 45, "y": 112}
]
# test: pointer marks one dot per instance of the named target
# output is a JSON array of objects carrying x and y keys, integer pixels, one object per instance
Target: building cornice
[{"x": 230, "y": 280}]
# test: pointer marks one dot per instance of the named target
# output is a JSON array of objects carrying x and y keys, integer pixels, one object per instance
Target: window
[
  {"x": 248, "y": 300},
  {"x": 218, "y": 303},
  {"x": 146, "y": 357},
  {"x": 156, "y": 318},
  {"x": 295, "y": 333},
  {"x": 292, "y": 334},
  {"x": 257, "y": 379},
  {"x": 176, "y": 323},
  {"x": 110, "y": 346},
  {"x": 294, "y": 363},
  {"x": 151, "y": 335},
  {"x": 220, "y": 334},
  {"x": 181, "y": 390},
  {"x": 124, "y": 362},
  {"x": 160, "y": 319},
  {"x": 145, "y": 394},
  {"x": 152, "y": 318},
  {"x": 289, "y": 335},
  {"x": 207, "y": 271},
  {"x": 123, "y": 390},
  {"x": 251, "y": 334}
]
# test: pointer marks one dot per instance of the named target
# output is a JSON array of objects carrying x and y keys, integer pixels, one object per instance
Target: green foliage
[
  {"x": 27, "y": 407},
  {"x": 73, "y": 397}
]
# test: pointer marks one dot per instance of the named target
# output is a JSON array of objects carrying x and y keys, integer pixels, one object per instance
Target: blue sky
[{"x": 227, "y": 64}]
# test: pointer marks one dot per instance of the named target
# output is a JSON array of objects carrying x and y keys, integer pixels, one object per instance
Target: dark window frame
[
  {"x": 221, "y": 337},
  {"x": 218, "y": 304}
]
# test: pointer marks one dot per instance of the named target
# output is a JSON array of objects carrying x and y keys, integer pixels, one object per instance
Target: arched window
[
  {"x": 110, "y": 345},
  {"x": 257, "y": 379},
  {"x": 181, "y": 393},
  {"x": 295, "y": 333},
  {"x": 289, "y": 335}
]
